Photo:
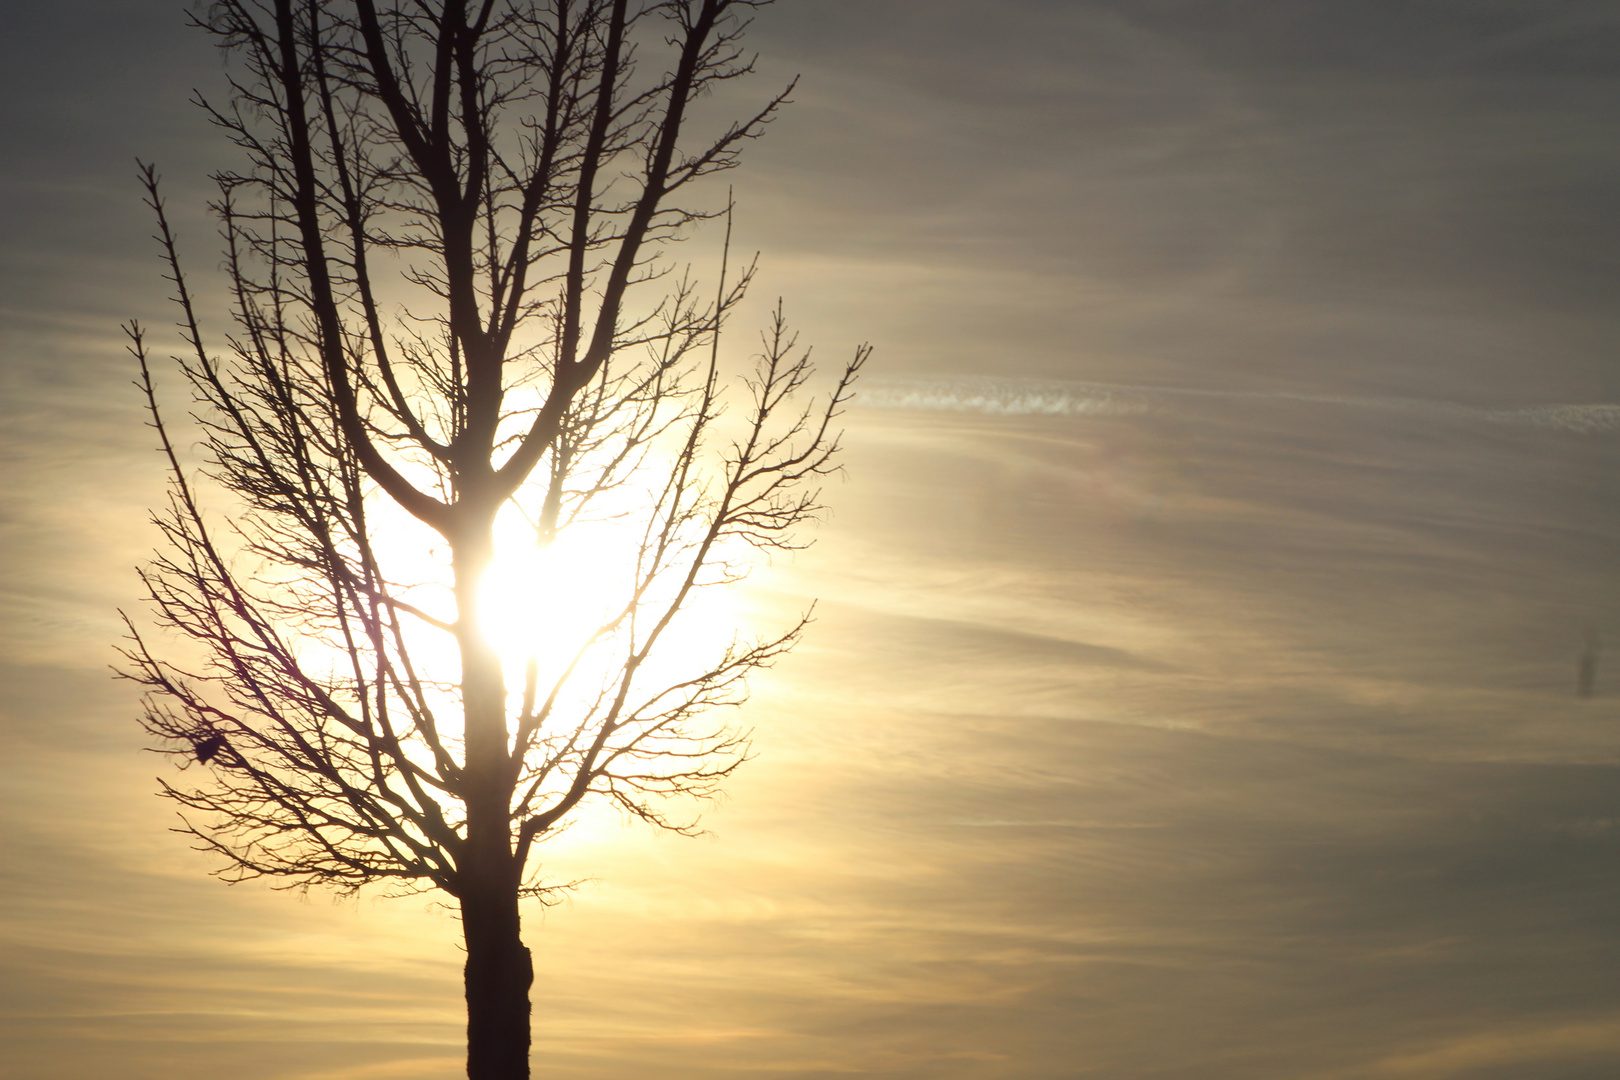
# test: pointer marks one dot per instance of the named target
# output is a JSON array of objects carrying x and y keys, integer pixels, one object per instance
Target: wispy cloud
[
  {"x": 1004, "y": 397},
  {"x": 412, "y": 1069},
  {"x": 1060, "y": 824},
  {"x": 1518, "y": 1046},
  {"x": 1034, "y": 397}
]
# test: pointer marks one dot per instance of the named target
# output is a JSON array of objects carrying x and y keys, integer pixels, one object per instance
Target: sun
[
  {"x": 552, "y": 605},
  {"x": 545, "y": 601},
  {"x": 562, "y": 612}
]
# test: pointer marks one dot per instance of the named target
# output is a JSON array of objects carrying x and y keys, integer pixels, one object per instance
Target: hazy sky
[{"x": 1193, "y": 693}]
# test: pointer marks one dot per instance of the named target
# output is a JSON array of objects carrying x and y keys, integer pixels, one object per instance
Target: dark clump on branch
[
  {"x": 209, "y": 748},
  {"x": 451, "y": 305}
]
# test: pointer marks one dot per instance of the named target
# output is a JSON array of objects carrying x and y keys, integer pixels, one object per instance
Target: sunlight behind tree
[{"x": 457, "y": 599}]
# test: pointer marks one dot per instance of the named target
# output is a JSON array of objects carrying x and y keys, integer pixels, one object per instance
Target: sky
[{"x": 1193, "y": 686}]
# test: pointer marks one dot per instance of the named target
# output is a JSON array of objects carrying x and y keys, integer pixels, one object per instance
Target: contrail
[
  {"x": 1035, "y": 397},
  {"x": 1004, "y": 397}
]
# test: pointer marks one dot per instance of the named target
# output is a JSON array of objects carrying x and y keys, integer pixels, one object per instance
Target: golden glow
[
  {"x": 568, "y": 608},
  {"x": 545, "y": 603},
  {"x": 547, "y": 600}
]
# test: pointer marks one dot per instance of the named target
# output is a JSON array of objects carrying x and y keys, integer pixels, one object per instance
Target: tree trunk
[
  {"x": 499, "y": 970},
  {"x": 499, "y": 974}
]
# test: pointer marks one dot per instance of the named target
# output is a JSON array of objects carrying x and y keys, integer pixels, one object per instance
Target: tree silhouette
[{"x": 454, "y": 320}]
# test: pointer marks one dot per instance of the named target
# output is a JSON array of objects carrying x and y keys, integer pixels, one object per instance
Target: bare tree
[{"x": 452, "y": 312}]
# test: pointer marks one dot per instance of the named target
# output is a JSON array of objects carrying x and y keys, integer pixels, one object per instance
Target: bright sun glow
[
  {"x": 546, "y": 601},
  {"x": 542, "y": 603}
]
